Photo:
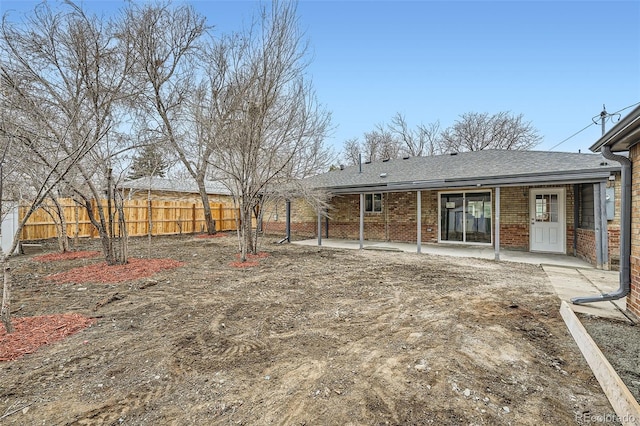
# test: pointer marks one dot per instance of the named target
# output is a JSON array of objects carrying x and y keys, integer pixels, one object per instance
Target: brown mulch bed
[
  {"x": 30, "y": 333},
  {"x": 103, "y": 273},
  {"x": 70, "y": 255}
]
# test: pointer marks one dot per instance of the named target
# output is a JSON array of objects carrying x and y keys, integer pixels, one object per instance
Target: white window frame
[
  {"x": 372, "y": 197},
  {"x": 464, "y": 196}
]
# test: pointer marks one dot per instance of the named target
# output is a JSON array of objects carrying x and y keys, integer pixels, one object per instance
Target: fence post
[
  {"x": 76, "y": 235},
  {"x": 193, "y": 217},
  {"x": 220, "y": 219}
]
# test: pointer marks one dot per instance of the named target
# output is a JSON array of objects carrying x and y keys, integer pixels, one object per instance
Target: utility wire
[
  {"x": 591, "y": 124},
  {"x": 575, "y": 134},
  {"x": 627, "y": 107}
]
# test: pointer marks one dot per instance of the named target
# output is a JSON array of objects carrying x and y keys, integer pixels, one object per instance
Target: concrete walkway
[
  {"x": 569, "y": 276},
  {"x": 574, "y": 282}
]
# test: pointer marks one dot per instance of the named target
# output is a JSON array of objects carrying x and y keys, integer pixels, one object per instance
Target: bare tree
[
  {"x": 68, "y": 74},
  {"x": 380, "y": 144},
  {"x": 352, "y": 151},
  {"x": 267, "y": 129},
  {"x": 472, "y": 132},
  {"x": 56, "y": 173},
  {"x": 422, "y": 141},
  {"x": 476, "y": 132},
  {"x": 167, "y": 44}
]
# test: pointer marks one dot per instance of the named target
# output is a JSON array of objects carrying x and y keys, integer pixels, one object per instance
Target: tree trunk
[
  {"x": 258, "y": 211},
  {"x": 123, "y": 233},
  {"x": 5, "y": 314},
  {"x": 246, "y": 231},
  {"x": 101, "y": 227},
  {"x": 150, "y": 224},
  {"x": 208, "y": 218},
  {"x": 110, "y": 223},
  {"x": 61, "y": 226},
  {"x": 76, "y": 234}
]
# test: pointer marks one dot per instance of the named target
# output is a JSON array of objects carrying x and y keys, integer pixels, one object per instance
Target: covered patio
[{"x": 498, "y": 204}]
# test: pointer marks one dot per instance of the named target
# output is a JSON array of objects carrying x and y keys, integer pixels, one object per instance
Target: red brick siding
[
  {"x": 299, "y": 229},
  {"x": 587, "y": 245},
  {"x": 633, "y": 300},
  {"x": 514, "y": 236},
  {"x": 514, "y": 217},
  {"x": 614, "y": 245},
  {"x": 397, "y": 221}
]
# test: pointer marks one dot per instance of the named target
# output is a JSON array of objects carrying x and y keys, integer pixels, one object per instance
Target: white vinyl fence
[{"x": 9, "y": 228}]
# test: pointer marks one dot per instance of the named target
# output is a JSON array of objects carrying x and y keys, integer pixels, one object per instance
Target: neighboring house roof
[
  {"x": 623, "y": 135},
  {"x": 162, "y": 184},
  {"x": 479, "y": 168}
]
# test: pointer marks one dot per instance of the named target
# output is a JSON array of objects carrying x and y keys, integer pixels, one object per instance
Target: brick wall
[
  {"x": 514, "y": 218},
  {"x": 586, "y": 249},
  {"x": 614, "y": 246},
  {"x": 613, "y": 226},
  {"x": 397, "y": 221},
  {"x": 633, "y": 300},
  {"x": 304, "y": 220}
]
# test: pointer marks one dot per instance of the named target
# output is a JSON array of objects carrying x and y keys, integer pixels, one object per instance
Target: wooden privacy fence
[{"x": 167, "y": 218}]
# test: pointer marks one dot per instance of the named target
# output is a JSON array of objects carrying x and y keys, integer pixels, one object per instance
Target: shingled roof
[
  {"x": 172, "y": 185},
  {"x": 479, "y": 168}
]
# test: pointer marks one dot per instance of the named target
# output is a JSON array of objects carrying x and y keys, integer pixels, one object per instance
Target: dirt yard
[{"x": 308, "y": 336}]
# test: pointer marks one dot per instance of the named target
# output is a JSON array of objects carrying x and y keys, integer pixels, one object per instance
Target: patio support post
[
  {"x": 603, "y": 228},
  {"x": 326, "y": 227},
  {"x": 319, "y": 226},
  {"x": 419, "y": 221},
  {"x": 597, "y": 224},
  {"x": 496, "y": 225},
  {"x": 361, "y": 221}
]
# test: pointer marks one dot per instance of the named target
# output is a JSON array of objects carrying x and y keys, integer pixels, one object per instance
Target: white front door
[{"x": 547, "y": 218}]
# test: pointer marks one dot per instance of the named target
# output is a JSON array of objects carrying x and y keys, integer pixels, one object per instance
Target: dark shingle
[
  {"x": 465, "y": 166},
  {"x": 174, "y": 185}
]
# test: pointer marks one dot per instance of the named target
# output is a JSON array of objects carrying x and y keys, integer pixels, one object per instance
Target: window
[
  {"x": 373, "y": 203},
  {"x": 465, "y": 217},
  {"x": 546, "y": 207},
  {"x": 587, "y": 219}
]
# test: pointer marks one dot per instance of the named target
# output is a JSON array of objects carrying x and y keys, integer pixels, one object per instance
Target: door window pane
[
  {"x": 546, "y": 207},
  {"x": 478, "y": 217},
  {"x": 451, "y": 217}
]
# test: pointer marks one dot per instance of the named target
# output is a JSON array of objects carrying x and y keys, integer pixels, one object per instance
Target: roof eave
[
  {"x": 564, "y": 178},
  {"x": 623, "y": 135}
]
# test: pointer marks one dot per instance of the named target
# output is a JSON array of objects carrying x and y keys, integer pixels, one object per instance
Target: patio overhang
[{"x": 491, "y": 181}]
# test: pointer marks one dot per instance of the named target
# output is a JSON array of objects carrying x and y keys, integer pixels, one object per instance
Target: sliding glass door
[{"x": 465, "y": 217}]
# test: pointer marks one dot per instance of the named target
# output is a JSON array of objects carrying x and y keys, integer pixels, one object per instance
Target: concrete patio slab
[{"x": 456, "y": 250}]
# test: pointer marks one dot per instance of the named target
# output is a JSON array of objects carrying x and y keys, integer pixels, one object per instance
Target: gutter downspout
[{"x": 625, "y": 234}]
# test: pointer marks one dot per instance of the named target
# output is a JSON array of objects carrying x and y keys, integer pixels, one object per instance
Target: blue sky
[{"x": 555, "y": 62}]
